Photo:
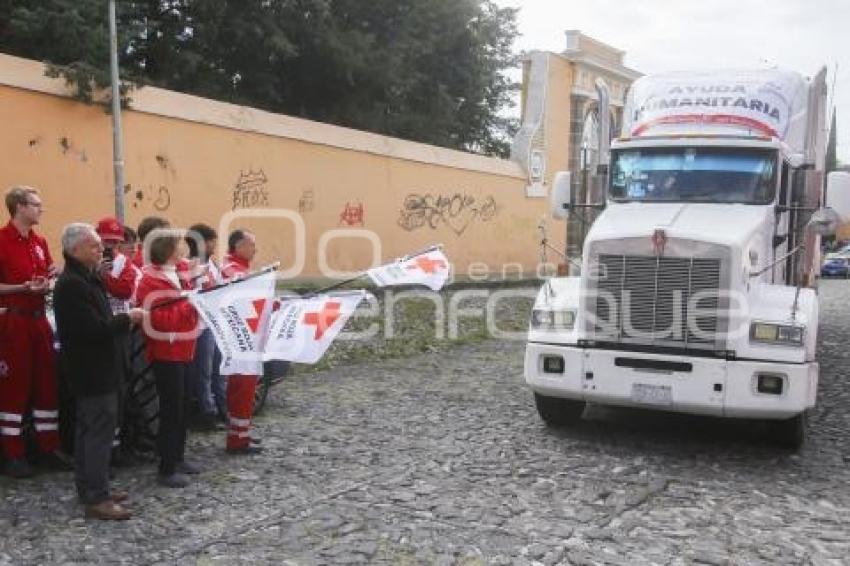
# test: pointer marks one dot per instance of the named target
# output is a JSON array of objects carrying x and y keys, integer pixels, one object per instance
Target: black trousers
[
  {"x": 94, "y": 431},
  {"x": 172, "y": 388}
]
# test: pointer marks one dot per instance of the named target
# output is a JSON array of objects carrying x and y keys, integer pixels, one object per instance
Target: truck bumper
[{"x": 703, "y": 386}]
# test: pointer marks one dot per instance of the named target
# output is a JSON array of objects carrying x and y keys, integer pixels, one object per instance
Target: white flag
[
  {"x": 238, "y": 316},
  {"x": 430, "y": 269},
  {"x": 301, "y": 330}
]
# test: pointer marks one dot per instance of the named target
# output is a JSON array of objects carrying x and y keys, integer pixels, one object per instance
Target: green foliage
[
  {"x": 426, "y": 70},
  {"x": 70, "y": 35}
]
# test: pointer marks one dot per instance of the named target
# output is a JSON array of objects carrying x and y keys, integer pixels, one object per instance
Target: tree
[
  {"x": 426, "y": 70},
  {"x": 71, "y": 36}
]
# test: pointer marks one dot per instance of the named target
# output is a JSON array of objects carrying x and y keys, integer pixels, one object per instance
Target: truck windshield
[{"x": 693, "y": 174}]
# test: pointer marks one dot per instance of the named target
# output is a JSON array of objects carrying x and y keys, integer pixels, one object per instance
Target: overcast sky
[{"x": 668, "y": 35}]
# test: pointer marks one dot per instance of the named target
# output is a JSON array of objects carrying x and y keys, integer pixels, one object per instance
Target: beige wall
[
  {"x": 558, "y": 112},
  {"x": 191, "y": 159}
]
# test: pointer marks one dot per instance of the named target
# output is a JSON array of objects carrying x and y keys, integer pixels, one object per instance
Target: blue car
[{"x": 835, "y": 267}]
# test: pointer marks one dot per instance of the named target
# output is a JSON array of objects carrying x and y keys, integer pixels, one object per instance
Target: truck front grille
[{"x": 648, "y": 300}]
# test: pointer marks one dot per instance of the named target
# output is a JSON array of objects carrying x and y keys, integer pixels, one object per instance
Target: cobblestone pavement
[{"x": 441, "y": 458}]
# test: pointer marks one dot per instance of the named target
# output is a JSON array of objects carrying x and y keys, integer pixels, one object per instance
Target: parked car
[{"x": 836, "y": 265}]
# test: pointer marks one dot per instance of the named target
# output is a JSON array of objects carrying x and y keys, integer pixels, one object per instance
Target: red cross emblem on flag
[
  {"x": 427, "y": 264},
  {"x": 659, "y": 242},
  {"x": 254, "y": 323},
  {"x": 323, "y": 319}
]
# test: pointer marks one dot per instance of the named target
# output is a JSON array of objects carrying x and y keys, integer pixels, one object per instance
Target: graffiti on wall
[
  {"x": 158, "y": 197},
  {"x": 251, "y": 190},
  {"x": 457, "y": 211},
  {"x": 307, "y": 201},
  {"x": 354, "y": 214}
]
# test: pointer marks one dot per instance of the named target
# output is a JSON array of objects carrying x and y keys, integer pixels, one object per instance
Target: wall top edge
[{"x": 29, "y": 75}]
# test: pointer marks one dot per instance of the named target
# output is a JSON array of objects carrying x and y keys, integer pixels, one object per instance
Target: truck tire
[
  {"x": 558, "y": 412},
  {"x": 790, "y": 433},
  {"x": 261, "y": 393},
  {"x": 141, "y": 402},
  {"x": 273, "y": 372}
]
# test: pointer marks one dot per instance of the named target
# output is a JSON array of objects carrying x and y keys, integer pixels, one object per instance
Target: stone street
[{"x": 440, "y": 458}]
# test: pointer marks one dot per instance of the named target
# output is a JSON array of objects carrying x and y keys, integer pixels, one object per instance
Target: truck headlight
[
  {"x": 547, "y": 319},
  {"x": 769, "y": 333}
]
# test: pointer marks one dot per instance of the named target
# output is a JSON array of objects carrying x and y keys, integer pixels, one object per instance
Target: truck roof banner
[{"x": 752, "y": 103}]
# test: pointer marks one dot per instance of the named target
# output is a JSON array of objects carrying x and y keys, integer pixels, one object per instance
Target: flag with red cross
[
  {"x": 301, "y": 330},
  {"x": 430, "y": 269},
  {"x": 238, "y": 317}
]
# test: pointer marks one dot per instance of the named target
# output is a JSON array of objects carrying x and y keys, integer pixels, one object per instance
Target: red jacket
[
  {"x": 234, "y": 267},
  {"x": 172, "y": 330},
  {"x": 139, "y": 258},
  {"x": 22, "y": 259},
  {"x": 121, "y": 282}
]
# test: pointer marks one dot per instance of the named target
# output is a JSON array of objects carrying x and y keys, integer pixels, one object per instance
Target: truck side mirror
[
  {"x": 561, "y": 192},
  {"x": 838, "y": 194},
  {"x": 824, "y": 222}
]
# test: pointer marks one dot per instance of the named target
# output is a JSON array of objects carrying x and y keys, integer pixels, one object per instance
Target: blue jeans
[
  {"x": 218, "y": 383},
  {"x": 206, "y": 382}
]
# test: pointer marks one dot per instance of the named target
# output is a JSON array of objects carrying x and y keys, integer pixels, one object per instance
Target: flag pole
[
  {"x": 361, "y": 275},
  {"x": 268, "y": 269},
  {"x": 430, "y": 248}
]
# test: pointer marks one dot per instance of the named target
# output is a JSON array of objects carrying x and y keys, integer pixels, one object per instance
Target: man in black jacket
[{"x": 90, "y": 360}]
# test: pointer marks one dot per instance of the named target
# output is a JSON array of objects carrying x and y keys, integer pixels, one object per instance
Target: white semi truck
[{"x": 696, "y": 290}]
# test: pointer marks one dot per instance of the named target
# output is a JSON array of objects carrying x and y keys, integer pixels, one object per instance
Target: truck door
[{"x": 782, "y": 233}]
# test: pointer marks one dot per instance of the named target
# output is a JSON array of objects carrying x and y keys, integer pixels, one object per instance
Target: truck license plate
[{"x": 652, "y": 394}]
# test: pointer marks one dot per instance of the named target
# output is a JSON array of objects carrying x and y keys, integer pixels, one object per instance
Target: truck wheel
[
  {"x": 261, "y": 393},
  {"x": 790, "y": 433},
  {"x": 141, "y": 402},
  {"x": 558, "y": 412},
  {"x": 273, "y": 372}
]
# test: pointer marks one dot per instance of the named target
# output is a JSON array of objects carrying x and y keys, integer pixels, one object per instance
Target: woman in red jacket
[{"x": 170, "y": 337}]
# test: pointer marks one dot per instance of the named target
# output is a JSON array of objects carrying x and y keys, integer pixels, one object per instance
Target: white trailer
[{"x": 696, "y": 291}]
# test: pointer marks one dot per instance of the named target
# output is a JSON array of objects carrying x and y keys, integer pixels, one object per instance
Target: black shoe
[
  {"x": 57, "y": 461},
  {"x": 19, "y": 469},
  {"x": 255, "y": 440},
  {"x": 248, "y": 450},
  {"x": 188, "y": 469},
  {"x": 175, "y": 480}
]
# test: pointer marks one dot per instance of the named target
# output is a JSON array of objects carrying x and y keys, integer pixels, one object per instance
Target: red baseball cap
[{"x": 109, "y": 229}]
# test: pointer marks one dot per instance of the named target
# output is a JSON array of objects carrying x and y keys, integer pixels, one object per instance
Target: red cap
[{"x": 109, "y": 229}]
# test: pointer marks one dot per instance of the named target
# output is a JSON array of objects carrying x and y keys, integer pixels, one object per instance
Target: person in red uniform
[
  {"x": 120, "y": 277},
  {"x": 27, "y": 364},
  {"x": 241, "y": 249},
  {"x": 119, "y": 273},
  {"x": 170, "y": 346}
]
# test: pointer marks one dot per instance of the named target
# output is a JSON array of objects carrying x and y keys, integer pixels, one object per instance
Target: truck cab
[{"x": 696, "y": 289}]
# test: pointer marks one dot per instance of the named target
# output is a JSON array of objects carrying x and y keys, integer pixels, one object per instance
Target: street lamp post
[{"x": 117, "y": 143}]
